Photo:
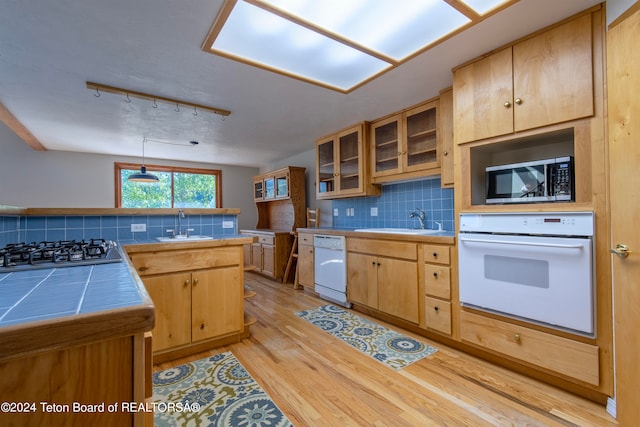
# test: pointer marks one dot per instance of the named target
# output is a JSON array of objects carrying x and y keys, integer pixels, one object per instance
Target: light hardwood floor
[{"x": 317, "y": 380}]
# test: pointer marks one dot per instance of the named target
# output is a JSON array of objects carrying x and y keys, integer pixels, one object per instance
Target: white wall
[
  {"x": 615, "y": 8},
  {"x": 31, "y": 178}
]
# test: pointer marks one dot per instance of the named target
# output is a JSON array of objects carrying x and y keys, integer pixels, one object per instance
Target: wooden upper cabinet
[
  {"x": 555, "y": 72},
  {"x": 542, "y": 80},
  {"x": 445, "y": 129},
  {"x": 406, "y": 142},
  {"x": 480, "y": 91},
  {"x": 341, "y": 168}
]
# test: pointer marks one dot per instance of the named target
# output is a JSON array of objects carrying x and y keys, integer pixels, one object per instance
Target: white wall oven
[{"x": 536, "y": 267}]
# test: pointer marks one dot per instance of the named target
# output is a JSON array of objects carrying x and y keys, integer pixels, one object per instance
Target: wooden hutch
[{"x": 280, "y": 197}]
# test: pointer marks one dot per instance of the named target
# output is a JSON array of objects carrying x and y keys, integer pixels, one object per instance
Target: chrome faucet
[
  {"x": 180, "y": 217},
  {"x": 417, "y": 213}
]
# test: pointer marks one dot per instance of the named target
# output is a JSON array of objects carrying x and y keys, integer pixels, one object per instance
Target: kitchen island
[
  {"x": 76, "y": 347},
  {"x": 198, "y": 290},
  {"x": 73, "y": 345}
]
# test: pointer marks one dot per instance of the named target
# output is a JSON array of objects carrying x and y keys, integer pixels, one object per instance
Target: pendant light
[{"x": 143, "y": 176}]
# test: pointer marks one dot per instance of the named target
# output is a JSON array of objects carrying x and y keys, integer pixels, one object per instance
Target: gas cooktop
[{"x": 61, "y": 253}]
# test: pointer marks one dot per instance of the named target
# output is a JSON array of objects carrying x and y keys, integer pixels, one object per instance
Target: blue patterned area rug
[
  {"x": 389, "y": 347},
  {"x": 215, "y": 391}
]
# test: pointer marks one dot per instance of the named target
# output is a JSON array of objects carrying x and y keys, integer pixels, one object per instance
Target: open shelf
[{"x": 536, "y": 147}]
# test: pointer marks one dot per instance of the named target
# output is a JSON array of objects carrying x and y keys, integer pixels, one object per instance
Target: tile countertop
[
  {"x": 56, "y": 307},
  {"x": 33, "y": 295}
]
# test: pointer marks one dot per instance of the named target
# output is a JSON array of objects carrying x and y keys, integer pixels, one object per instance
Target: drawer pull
[
  {"x": 436, "y": 308},
  {"x": 435, "y": 254},
  {"x": 435, "y": 274},
  {"x": 201, "y": 326},
  {"x": 143, "y": 269},
  {"x": 517, "y": 337}
]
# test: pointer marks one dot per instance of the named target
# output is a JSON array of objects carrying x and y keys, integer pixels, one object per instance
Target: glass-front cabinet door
[
  {"x": 258, "y": 189},
  {"x": 386, "y": 137},
  {"x": 405, "y": 142},
  {"x": 342, "y": 168},
  {"x": 421, "y": 148},
  {"x": 269, "y": 188},
  {"x": 282, "y": 186},
  {"x": 325, "y": 167},
  {"x": 350, "y": 160}
]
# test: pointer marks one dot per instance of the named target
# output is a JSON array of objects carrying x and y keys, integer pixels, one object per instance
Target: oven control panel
[{"x": 544, "y": 223}]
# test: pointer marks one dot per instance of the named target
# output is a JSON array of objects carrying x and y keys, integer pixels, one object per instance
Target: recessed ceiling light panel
[
  {"x": 388, "y": 27},
  {"x": 255, "y": 35},
  {"x": 338, "y": 44}
]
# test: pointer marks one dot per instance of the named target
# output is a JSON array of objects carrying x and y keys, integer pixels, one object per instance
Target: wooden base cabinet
[
  {"x": 269, "y": 254},
  {"x": 305, "y": 268},
  {"x": 198, "y": 306},
  {"x": 562, "y": 355},
  {"x": 437, "y": 288},
  {"x": 381, "y": 282},
  {"x": 48, "y": 385}
]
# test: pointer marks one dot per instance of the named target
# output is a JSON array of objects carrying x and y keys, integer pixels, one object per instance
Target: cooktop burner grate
[{"x": 61, "y": 253}]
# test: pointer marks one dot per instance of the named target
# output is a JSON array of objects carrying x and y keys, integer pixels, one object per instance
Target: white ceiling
[{"x": 50, "y": 49}]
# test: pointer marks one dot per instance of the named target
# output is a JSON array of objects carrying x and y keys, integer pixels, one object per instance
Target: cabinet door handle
[
  {"x": 518, "y": 101},
  {"x": 507, "y": 104},
  {"x": 187, "y": 282},
  {"x": 195, "y": 281},
  {"x": 517, "y": 337},
  {"x": 201, "y": 326}
]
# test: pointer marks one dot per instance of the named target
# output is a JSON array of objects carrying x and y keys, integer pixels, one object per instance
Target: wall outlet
[
  {"x": 374, "y": 211},
  {"x": 138, "y": 227},
  {"x": 227, "y": 224},
  {"x": 335, "y": 212}
]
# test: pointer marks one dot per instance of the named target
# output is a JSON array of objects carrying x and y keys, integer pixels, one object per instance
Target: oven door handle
[{"x": 507, "y": 242}]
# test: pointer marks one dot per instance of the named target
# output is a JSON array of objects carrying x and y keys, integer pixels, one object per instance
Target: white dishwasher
[{"x": 330, "y": 265}]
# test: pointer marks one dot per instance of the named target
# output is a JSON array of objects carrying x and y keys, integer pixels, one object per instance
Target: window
[{"x": 176, "y": 188}]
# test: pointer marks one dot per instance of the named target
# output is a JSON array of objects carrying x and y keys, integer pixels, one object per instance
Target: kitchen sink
[
  {"x": 184, "y": 238},
  {"x": 416, "y": 231}
]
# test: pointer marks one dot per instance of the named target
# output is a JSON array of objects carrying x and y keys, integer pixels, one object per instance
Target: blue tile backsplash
[
  {"x": 395, "y": 204},
  {"x": 15, "y": 229}
]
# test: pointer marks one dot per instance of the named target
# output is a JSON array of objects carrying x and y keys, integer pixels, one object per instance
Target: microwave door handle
[{"x": 507, "y": 242}]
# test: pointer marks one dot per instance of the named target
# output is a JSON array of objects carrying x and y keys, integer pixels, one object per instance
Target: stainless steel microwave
[{"x": 549, "y": 180}]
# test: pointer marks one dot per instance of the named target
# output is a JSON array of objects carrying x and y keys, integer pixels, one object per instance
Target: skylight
[{"x": 338, "y": 44}]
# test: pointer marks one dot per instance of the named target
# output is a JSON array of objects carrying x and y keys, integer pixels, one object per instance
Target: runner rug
[
  {"x": 215, "y": 391},
  {"x": 389, "y": 347}
]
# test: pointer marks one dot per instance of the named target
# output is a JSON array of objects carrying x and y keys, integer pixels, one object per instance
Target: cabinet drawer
[
  {"x": 574, "y": 359},
  {"x": 436, "y": 254},
  {"x": 148, "y": 263},
  {"x": 305, "y": 239},
  {"x": 438, "y": 315},
  {"x": 386, "y": 248},
  {"x": 437, "y": 281},
  {"x": 267, "y": 240}
]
